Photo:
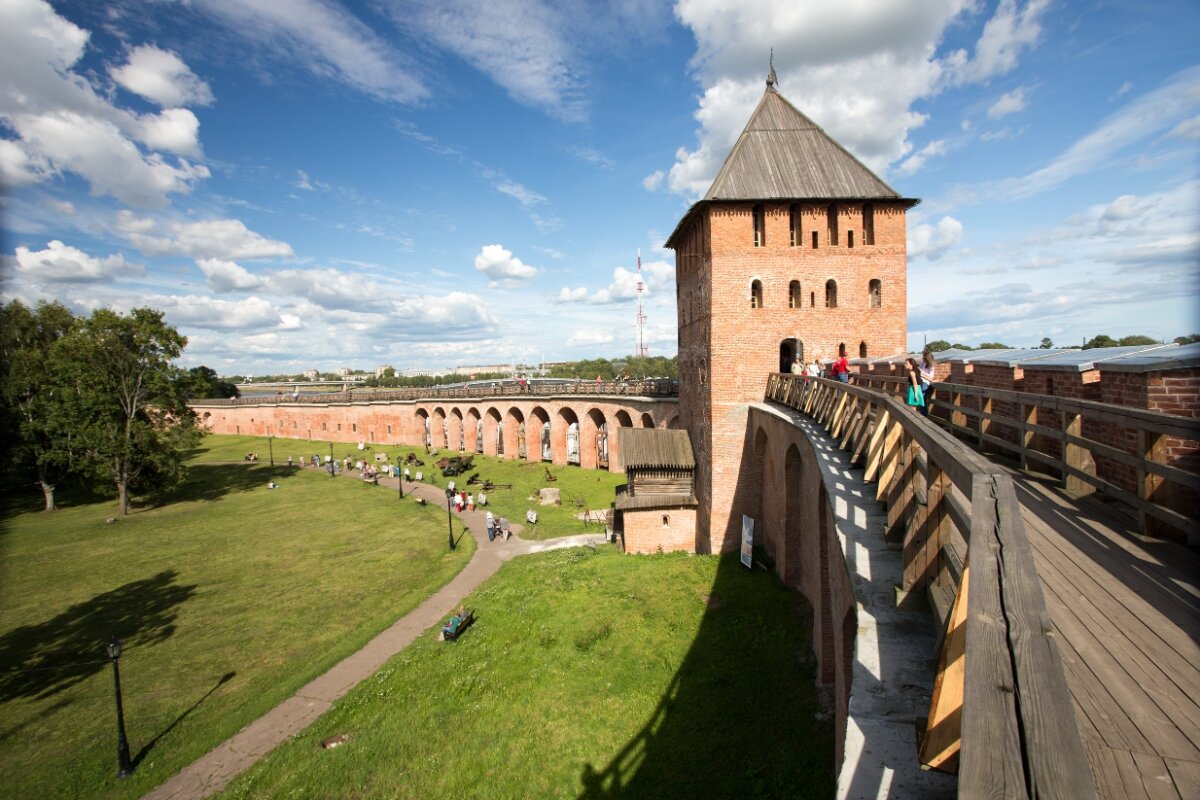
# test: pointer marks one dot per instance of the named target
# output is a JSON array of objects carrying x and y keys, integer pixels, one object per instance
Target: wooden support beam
[
  {"x": 942, "y": 740},
  {"x": 1076, "y": 457},
  {"x": 1152, "y": 447}
]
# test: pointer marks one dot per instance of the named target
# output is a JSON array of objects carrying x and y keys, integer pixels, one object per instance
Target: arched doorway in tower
[
  {"x": 647, "y": 421},
  {"x": 593, "y": 440},
  {"x": 538, "y": 435},
  {"x": 788, "y": 350},
  {"x": 565, "y": 442}
]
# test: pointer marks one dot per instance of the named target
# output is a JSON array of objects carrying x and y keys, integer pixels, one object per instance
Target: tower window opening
[
  {"x": 862, "y": 349},
  {"x": 875, "y": 290},
  {"x": 849, "y": 238},
  {"x": 814, "y": 240},
  {"x": 831, "y": 220},
  {"x": 868, "y": 224},
  {"x": 760, "y": 226},
  {"x": 795, "y": 297},
  {"x": 756, "y": 296},
  {"x": 831, "y": 293},
  {"x": 812, "y": 299},
  {"x": 794, "y": 226},
  {"x": 666, "y": 520}
]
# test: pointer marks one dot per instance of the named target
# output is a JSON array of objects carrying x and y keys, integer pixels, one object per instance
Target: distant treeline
[{"x": 1102, "y": 340}]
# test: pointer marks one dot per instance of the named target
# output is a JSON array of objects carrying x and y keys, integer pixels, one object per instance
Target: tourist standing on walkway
[
  {"x": 797, "y": 367},
  {"x": 928, "y": 369},
  {"x": 841, "y": 367},
  {"x": 912, "y": 375},
  {"x": 814, "y": 369}
]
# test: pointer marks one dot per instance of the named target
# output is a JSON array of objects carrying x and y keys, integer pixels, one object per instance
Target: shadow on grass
[
  {"x": 741, "y": 716},
  {"x": 145, "y": 751},
  {"x": 214, "y": 481},
  {"x": 39, "y": 661}
]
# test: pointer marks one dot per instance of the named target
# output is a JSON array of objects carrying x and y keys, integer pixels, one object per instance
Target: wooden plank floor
[{"x": 1126, "y": 611}]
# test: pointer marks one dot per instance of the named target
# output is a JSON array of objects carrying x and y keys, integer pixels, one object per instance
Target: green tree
[
  {"x": 993, "y": 346},
  {"x": 1046, "y": 343},
  {"x": 1127, "y": 341},
  {"x": 1189, "y": 339},
  {"x": 129, "y": 401},
  {"x": 937, "y": 345},
  {"x": 1100, "y": 341},
  {"x": 38, "y": 436},
  {"x": 203, "y": 383}
]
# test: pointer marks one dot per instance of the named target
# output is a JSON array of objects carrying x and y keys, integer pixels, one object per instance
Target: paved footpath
[{"x": 212, "y": 772}]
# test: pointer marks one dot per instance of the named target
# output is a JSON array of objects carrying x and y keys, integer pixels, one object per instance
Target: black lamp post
[
  {"x": 126, "y": 768},
  {"x": 400, "y": 481},
  {"x": 331, "y": 473},
  {"x": 449, "y": 519},
  {"x": 271, "y": 448}
]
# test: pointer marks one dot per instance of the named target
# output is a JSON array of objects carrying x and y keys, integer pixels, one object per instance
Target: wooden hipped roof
[
  {"x": 650, "y": 448},
  {"x": 784, "y": 155}
]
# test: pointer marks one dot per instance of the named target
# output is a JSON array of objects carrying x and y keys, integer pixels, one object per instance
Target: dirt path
[{"x": 213, "y": 772}]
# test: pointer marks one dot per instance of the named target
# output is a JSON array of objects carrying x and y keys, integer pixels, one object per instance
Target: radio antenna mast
[{"x": 642, "y": 350}]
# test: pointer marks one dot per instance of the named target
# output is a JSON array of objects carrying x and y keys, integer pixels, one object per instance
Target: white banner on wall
[{"x": 747, "y": 541}]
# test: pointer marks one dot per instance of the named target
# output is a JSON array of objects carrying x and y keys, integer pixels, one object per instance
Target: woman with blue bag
[{"x": 916, "y": 398}]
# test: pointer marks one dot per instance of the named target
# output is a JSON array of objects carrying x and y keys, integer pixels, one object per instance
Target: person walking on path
[{"x": 841, "y": 367}]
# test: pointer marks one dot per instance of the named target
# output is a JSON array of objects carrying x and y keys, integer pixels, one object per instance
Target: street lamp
[
  {"x": 126, "y": 768},
  {"x": 449, "y": 519},
  {"x": 271, "y": 448},
  {"x": 331, "y": 473},
  {"x": 400, "y": 481}
]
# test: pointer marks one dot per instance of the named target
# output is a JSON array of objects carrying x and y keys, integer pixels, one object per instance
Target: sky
[{"x": 319, "y": 184}]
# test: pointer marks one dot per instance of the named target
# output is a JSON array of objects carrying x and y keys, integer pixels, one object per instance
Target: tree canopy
[{"x": 97, "y": 397}]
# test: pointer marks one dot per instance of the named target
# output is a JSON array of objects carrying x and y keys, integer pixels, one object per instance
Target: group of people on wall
[{"x": 919, "y": 375}]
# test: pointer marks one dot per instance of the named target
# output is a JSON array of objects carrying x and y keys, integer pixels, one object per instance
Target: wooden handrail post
[
  {"x": 1152, "y": 447},
  {"x": 1075, "y": 457},
  {"x": 1029, "y": 415}
]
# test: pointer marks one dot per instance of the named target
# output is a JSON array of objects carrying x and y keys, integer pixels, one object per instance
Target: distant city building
[
  {"x": 345, "y": 372},
  {"x": 311, "y": 374},
  {"x": 379, "y": 371}
]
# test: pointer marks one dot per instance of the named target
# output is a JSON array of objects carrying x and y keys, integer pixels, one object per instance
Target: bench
[{"x": 457, "y": 623}]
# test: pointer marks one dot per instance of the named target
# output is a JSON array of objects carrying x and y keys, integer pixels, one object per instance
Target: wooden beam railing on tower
[
  {"x": 1124, "y": 453},
  {"x": 1002, "y": 715}
]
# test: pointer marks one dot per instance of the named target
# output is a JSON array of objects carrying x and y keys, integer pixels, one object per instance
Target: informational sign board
[{"x": 747, "y": 541}]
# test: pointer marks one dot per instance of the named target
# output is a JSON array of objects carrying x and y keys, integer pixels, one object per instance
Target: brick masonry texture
[{"x": 739, "y": 302}]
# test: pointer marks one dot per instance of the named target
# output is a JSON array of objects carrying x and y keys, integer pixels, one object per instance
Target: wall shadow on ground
[
  {"x": 741, "y": 717},
  {"x": 41, "y": 660}
]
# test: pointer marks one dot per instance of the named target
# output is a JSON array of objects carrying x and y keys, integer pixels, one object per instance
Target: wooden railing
[
  {"x": 1120, "y": 452},
  {"x": 1001, "y": 713},
  {"x": 655, "y": 387}
]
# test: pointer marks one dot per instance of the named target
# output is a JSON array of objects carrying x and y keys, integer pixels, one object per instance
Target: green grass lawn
[
  {"x": 228, "y": 596},
  {"x": 596, "y": 489},
  {"x": 588, "y": 674}
]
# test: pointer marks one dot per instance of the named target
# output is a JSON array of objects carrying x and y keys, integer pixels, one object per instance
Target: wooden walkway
[{"x": 1126, "y": 612}]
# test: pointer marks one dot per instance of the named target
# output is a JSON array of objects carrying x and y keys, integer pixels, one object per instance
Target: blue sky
[{"x": 317, "y": 184}]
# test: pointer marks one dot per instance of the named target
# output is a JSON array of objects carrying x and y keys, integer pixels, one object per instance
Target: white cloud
[
  {"x": 502, "y": 267},
  {"x": 524, "y": 196},
  {"x": 64, "y": 124},
  {"x": 1144, "y": 116},
  {"x": 1188, "y": 129},
  {"x": 327, "y": 40},
  {"x": 568, "y": 295},
  {"x": 65, "y": 207},
  {"x": 227, "y": 276},
  {"x": 161, "y": 77},
  {"x": 916, "y": 161},
  {"x": 652, "y": 181},
  {"x": 331, "y": 289},
  {"x": 1009, "y": 103},
  {"x": 60, "y": 263},
  {"x": 176, "y": 130},
  {"x": 587, "y": 338},
  {"x": 214, "y": 238},
  {"x": 17, "y": 167},
  {"x": 1012, "y": 29},
  {"x": 932, "y": 243},
  {"x": 593, "y": 156},
  {"x": 208, "y": 312},
  {"x": 521, "y": 45}
]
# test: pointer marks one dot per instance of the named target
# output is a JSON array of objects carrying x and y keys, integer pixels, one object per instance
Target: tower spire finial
[{"x": 771, "y": 77}]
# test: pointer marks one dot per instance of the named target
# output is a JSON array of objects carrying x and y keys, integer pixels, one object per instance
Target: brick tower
[{"x": 796, "y": 248}]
